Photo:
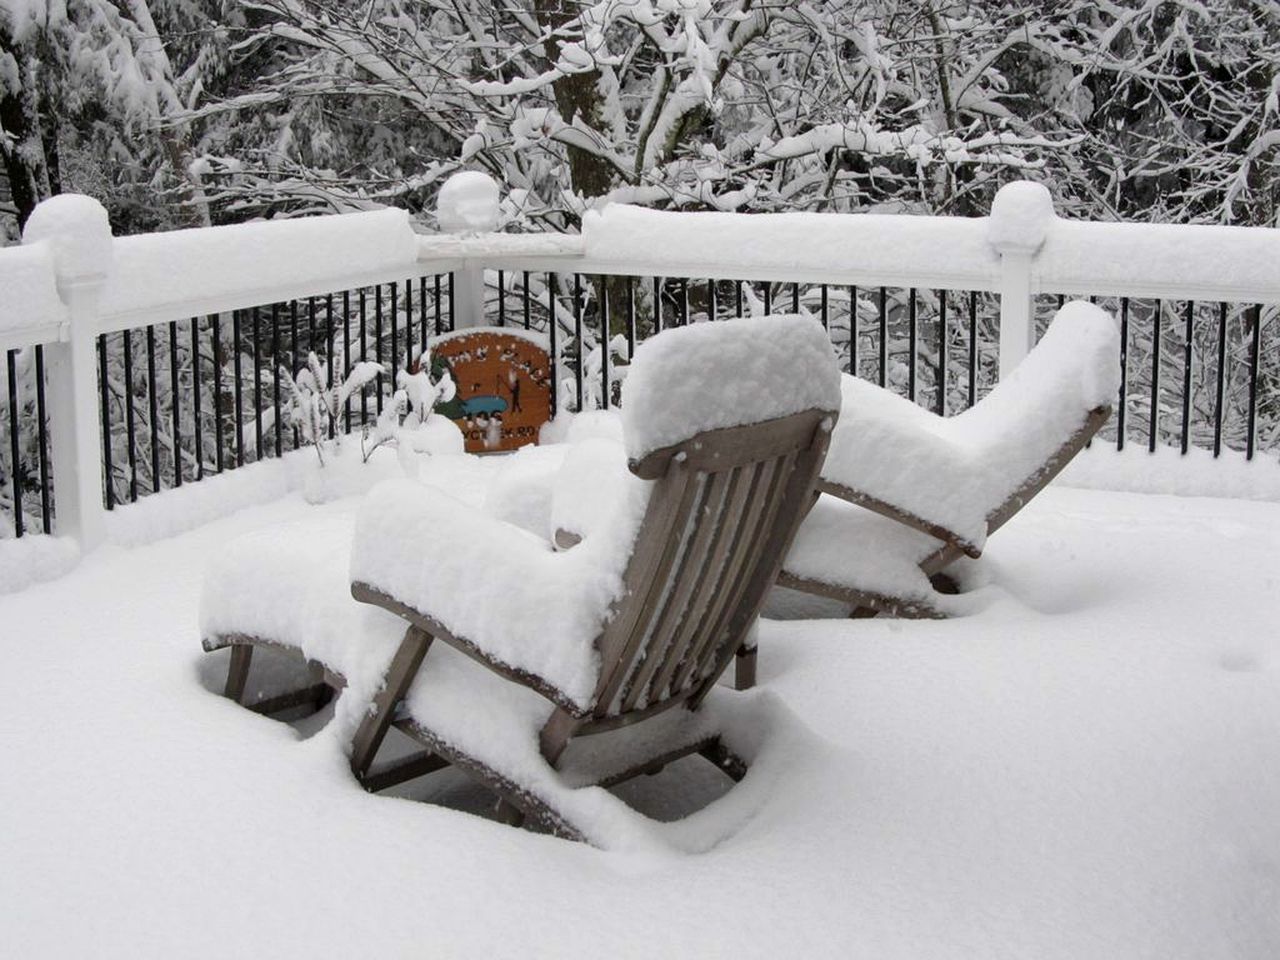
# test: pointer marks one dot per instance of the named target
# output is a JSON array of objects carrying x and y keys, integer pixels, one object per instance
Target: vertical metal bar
[
  {"x": 275, "y": 376},
  {"x": 502, "y": 298},
  {"x": 217, "y": 391},
  {"x": 346, "y": 356},
  {"x": 713, "y": 306},
  {"x": 104, "y": 388},
  {"x": 684, "y": 300},
  {"x": 826, "y": 321},
  {"x": 257, "y": 378},
  {"x": 912, "y": 344},
  {"x": 552, "y": 336},
  {"x": 395, "y": 306},
  {"x": 439, "y": 307},
  {"x": 176, "y": 411},
  {"x": 15, "y": 447},
  {"x": 1219, "y": 395},
  {"x": 1255, "y": 347},
  {"x": 1186, "y": 376},
  {"x": 422, "y": 310},
  {"x": 1153, "y": 425},
  {"x": 577, "y": 334},
  {"x": 602, "y": 292},
  {"x": 631, "y": 317},
  {"x": 377, "y": 337},
  {"x": 153, "y": 430},
  {"x": 524, "y": 299},
  {"x": 768, "y": 298},
  {"x": 195, "y": 397},
  {"x": 364, "y": 355},
  {"x": 973, "y": 347},
  {"x": 453, "y": 313},
  {"x": 795, "y": 297},
  {"x": 941, "y": 406},
  {"x": 408, "y": 325},
  {"x": 42, "y": 438},
  {"x": 291, "y": 371},
  {"x": 884, "y": 336},
  {"x": 737, "y": 293},
  {"x": 311, "y": 328},
  {"x": 129, "y": 415},
  {"x": 328, "y": 353},
  {"x": 853, "y": 331},
  {"x": 657, "y": 304},
  {"x": 1124, "y": 372}
]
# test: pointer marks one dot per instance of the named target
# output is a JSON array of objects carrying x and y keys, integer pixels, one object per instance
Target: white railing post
[
  {"x": 1020, "y": 218},
  {"x": 79, "y": 233},
  {"x": 468, "y": 203}
]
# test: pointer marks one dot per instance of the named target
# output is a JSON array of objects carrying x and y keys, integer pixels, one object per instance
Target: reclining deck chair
[
  {"x": 906, "y": 493},
  {"x": 624, "y": 636}
]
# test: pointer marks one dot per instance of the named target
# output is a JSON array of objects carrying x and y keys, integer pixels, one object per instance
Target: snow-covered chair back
[{"x": 731, "y": 422}]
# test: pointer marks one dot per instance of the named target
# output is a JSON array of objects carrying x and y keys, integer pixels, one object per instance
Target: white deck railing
[{"x": 72, "y": 281}]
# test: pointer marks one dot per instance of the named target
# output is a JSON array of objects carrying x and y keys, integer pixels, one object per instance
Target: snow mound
[
  {"x": 34, "y": 559},
  {"x": 79, "y": 231},
  {"x": 30, "y": 288},
  {"x": 711, "y": 375}
]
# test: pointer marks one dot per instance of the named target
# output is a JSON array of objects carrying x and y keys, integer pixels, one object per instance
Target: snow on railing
[{"x": 71, "y": 283}]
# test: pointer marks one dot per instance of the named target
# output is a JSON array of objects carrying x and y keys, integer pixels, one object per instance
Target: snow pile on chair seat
[
  {"x": 287, "y": 584},
  {"x": 861, "y": 552},
  {"x": 711, "y": 375},
  {"x": 588, "y": 487},
  {"x": 499, "y": 587},
  {"x": 520, "y": 493},
  {"x": 953, "y": 472}
]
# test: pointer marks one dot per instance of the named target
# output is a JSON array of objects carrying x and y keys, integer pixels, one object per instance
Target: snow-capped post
[
  {"x": 1020, "y": 217},
  {"x": 78, "y": 231},
  {"x": 468, "y": 203}
]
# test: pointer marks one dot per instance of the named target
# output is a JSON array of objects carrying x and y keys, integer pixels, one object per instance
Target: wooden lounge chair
[
  {"x": 624, "y": 636},
  {"x": 907, "y": 493}
]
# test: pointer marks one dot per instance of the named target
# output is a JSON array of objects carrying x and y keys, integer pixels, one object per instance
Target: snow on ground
[{"x": 1087, "y": 767}]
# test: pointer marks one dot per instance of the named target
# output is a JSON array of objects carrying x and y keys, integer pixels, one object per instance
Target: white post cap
[
  {"x": 1020, "y": 217},
  {"x": 468, "y": 203}
]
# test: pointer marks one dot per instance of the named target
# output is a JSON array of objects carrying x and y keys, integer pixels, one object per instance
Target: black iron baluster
[
  {"x": 502, "y": 298},
  {"x": 602, "y": 294},
  {"x": 577, "y": 335},
  {"x": 217, "y": 390},
  {"x": 713, "y": 307},
  {"x": 346, "y": 357},
  {"x": 311, "y": 329},
  {"x": 768, "y": 298},
  {"x": 684, "y": 300},
  {"x": 631, "y": 318},
  {"x": 395, "y": 306},
  {"x": 1124, "y": 372},
  {"x": 408, "y": 325},
  {"x": 15, "y": 445},
  {"x": 275, "y": 377},
  {"x": 328, "y": 353},
  {"x": 1153, "y": 425},
  {"x": 555, "y": 355},
  {"x": 176, "y": 411},
  {"x": 152, "y": 404},
  {"x": 364, "y": 356},
  {"x": 42, "y": 438},
  {"x": 823, "y": 314},
  {"x": 453, "y": 311},
  {"x": 104, "y": 389},
  {"x": 795, "y": 297},
  {"x": 291, "y": 371},
  {"x": 884, "y": 336},
  {"x": 941, "y": 406},
  {"x": 422, "y": 310},
  {"x": 196, "y": 429},
  {"x": 240, "y": 398},
  {"x": 853, "y": 330},
  {"x": 524, "y": 298},
  {"x": 1254, "y": 352},
  {"x": 973, "y": 347},
  {"x": 1219, "y": 397},
  {"x": 1186, "y": 377},
  {"x": 439, "y": 303},
  {"x": 257, "y": 378},
  {"x": 657, "y": 304},
  {"x": 129, "y": 425},
  {"x": 912, "y": 344},
  {"x": 737, "y": 297},
  {"x": 377, "y": 338}
]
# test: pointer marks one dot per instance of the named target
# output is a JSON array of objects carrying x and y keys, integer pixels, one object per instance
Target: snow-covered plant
[
  {"x": 410, "y": 407},
  {"x": 314, "y": 406}
]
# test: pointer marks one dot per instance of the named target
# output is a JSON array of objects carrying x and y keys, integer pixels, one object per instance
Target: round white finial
[
  {"x": 468, "y": 203},
  {"x": 1020, "y": 217},
  {"x": 79, "y": 231}
]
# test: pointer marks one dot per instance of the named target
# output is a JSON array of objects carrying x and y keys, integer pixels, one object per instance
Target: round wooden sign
[{"x": 503, "y": 378}]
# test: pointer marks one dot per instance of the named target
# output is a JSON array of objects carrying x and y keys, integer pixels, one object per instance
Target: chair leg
[
  {"x": 508, "y": 813},
  {"x": 373, "y": 728},
  {"x": 744, "y": 668},
  {"x": 238, "y": 671}
]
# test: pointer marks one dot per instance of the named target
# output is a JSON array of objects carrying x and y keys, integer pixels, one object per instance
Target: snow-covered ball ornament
[
  {"x": 79, "y": 232},
  {"x": 468, "y": 203}
]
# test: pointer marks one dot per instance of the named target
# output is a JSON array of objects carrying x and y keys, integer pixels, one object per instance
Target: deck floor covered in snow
[{"x": 1088, "y": 766}]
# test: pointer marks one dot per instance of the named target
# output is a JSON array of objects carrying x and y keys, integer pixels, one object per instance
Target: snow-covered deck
[{"x": 1088, "y": 767}]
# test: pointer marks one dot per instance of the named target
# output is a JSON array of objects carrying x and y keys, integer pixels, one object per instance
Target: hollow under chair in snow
[
  {"x": 541, "y": 671},
  {"x": 905, "y": 493}
]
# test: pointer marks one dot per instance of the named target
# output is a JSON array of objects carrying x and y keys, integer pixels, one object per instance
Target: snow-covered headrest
[{"x": 710, "y": 375}]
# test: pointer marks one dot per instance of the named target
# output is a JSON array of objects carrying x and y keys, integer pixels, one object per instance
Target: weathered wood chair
[
  {"x": 906, "y": 493},
  {"x": 591, "y": 665}
]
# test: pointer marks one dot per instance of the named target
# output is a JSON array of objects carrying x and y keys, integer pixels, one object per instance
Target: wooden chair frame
[{"x": 724, "y": 510}]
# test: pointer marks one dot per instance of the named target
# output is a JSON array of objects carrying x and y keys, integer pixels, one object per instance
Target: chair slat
[{"x": 663, "y": 637}]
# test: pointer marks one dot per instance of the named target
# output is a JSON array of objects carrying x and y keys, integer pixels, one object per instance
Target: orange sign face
[{"x": 503, "y": 378}]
